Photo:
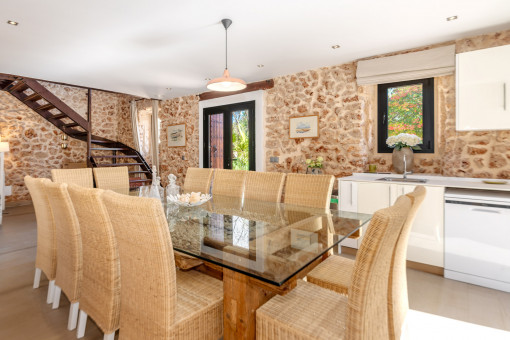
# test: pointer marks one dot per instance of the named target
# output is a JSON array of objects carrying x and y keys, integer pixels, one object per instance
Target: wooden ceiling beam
[{"x": 260, "y": 85}]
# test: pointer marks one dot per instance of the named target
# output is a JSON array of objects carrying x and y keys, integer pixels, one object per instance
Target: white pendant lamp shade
[{"x": 226, "y": 83}]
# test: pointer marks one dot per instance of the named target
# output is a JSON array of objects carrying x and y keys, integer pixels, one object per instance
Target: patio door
[{"x": 229, "y": 136}]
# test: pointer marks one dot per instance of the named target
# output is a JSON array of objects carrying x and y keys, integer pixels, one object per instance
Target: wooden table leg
[{"x": 241, "y": 298}]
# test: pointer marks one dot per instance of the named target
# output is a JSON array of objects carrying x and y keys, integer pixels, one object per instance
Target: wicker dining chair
[
  {"x": 309, "y": 190},
  {"x": 81, "y": 177},
  {"x": 158, "y": 302},
  {"x": 264, "y": 186},
  {"x": 69, "y": 250},
  {"x": 100, "y": 286},
  {"x": 198, "y": 180},
  {"x": 229, "y": 182},
  {"x": 46, "y": 256},
  {"x": 112, "y": 178},
  {"x": 313, "y": 312},
  {"x": 335, "y": 272}
]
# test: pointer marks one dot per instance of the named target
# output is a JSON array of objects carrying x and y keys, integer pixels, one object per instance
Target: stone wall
[
  {"x": 178, "y": 111},
  {"x": 35, "y": 143}
]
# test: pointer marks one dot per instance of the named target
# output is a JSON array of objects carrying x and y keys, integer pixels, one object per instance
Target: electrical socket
[{"x": 274, "y": 159}]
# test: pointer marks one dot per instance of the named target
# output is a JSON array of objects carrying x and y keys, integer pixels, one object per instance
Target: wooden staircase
[{"x": 101, "y": 152}]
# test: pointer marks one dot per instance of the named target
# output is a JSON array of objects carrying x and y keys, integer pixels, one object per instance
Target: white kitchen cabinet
[
  {"x": 483, "y": 89},
  {"x": 426, "y": 241}
]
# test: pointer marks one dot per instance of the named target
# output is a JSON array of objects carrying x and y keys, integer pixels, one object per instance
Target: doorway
[{"x": 229, "y": 136}]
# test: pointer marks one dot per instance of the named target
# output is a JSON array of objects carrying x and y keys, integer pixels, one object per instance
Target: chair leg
[
  {"x": 37, "y": 277},
  {"x": 82, "y": 323},
  {"x": 73, "y": 316},
  {"x": 51, "y": 290},
  {"x": 110, "y": 336},
  {"x": 56, "y": 297}
]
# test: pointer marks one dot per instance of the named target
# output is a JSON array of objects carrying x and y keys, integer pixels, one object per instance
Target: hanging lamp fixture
[{"x": 226, "y": 83}]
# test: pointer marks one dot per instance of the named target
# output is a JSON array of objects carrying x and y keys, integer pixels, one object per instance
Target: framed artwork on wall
[
  {"x": 304, "y": 127},
  {"x": 176, "y": 135}
]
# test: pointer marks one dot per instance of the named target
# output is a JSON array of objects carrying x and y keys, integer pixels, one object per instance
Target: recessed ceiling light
[
  {"x": 260, "y": 65},
  {"x": 451, "y": 18},
  {"x": 168, "y": 88},
  {"x": 207, "y": 79},
  {"x": 14, "y": 23},
  {"x": 335, "y": 47}
]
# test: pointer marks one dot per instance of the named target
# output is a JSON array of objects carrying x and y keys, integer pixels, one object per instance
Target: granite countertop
[{"x": 432, "y": 180}]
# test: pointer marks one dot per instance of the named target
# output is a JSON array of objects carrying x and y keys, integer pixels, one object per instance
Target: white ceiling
[{"x": 144, "y": 47}]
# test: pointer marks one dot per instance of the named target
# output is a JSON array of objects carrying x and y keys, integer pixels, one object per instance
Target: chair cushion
[
  {"x": 334, "y": 273},
  {"x": 307, "y": 312}
]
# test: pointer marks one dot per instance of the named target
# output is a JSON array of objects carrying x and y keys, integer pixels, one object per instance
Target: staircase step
[
  {"x": 45, "y": 107},
  {"x": 32, "y": 98},
  {"x": 117, "y": 156},
  {"x": 97, "y": 141},
  {"x": 73, "y": 124},
  {"x": 109, "y": 149},
  {"x": 59, "y": 116},
  {"x": 5, "y": 84},
  {"x": 19, "y": 87},
  {"x": 139, "y": 172},
  {"x": 107, "y": 165},
  {"x": 139, "y": 180}
]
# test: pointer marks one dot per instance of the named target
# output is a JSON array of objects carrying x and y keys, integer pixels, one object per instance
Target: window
[
  {"x": 229, "y": 136},
  {"x": 406, "y": 107}
]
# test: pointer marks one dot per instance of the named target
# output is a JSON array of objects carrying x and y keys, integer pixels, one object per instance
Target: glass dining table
[{"x": 261, "y": 248}]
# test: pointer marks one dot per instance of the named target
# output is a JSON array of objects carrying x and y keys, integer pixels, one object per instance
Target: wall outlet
[
  {"x": 8, "y": 190},
  {"x": 183, "y": 158},
  {"x": 274, "y": 159}
]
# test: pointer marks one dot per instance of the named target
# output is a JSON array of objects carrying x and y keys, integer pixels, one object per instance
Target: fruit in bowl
[{"x": 189, "y": 199}]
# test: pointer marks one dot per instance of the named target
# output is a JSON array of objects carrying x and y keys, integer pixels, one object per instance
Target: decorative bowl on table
[{"x": 189, "y": 200}]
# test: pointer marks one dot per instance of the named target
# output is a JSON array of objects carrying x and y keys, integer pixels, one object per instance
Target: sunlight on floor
[{"x": 424, "y": 326}]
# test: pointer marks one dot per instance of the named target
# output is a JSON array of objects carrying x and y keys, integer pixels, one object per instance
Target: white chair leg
[
  {"x": 110, "y": 336},
  {"x": 73, "y": 316},
  {"x": 82, "y": 323},
  {"x": 37, "y": 277},
  {"x": 51, "y": 290},
  {"x": 56, "y": 297}
]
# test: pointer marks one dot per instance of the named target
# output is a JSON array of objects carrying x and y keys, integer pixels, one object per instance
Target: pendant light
[{"x": 226, "y": 83}]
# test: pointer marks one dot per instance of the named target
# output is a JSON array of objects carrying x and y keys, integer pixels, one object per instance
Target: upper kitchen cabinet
[{"x": 483, "y": 86}]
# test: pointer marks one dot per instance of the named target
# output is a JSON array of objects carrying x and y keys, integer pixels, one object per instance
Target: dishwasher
[{"x": 477, "y": 237}]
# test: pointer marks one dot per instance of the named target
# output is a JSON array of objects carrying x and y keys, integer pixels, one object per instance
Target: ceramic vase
[{"x": 398, "y": 160}]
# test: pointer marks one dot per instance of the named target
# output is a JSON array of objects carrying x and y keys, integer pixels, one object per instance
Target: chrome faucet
[{"x": 405, "y": 168}]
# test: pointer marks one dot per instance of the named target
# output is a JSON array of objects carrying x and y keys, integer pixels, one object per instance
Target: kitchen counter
[{"x": 432, "y": 180}]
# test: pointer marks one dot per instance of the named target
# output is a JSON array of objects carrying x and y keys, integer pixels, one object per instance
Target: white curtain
[
  {"x": 409, "y": 66},
  {"x": 155, "y": 136},
  {"x": 134, "y": 125}
]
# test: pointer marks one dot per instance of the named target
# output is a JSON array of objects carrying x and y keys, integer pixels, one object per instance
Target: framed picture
[
  {"x": 176, "y": 135},
  {"x": 304, "y": 127}
]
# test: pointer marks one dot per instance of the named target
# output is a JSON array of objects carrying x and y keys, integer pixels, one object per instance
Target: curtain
[
  {"x": 155, "y": 136},
  {"x": 134, "y": 125},
  {"x": 409, "y": 66}
]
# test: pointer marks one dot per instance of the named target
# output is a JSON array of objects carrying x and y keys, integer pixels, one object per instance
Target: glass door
[{"x": 229, "y": 136}]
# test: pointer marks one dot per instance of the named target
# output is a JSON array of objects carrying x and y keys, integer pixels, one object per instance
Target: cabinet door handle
[
  {"x": 504, "y": 96},
  {"x": 487, "y": 211},
  {"x": 351, "y": 194}
]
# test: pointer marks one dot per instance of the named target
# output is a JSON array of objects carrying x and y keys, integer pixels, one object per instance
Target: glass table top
[{"x": 268, "y": 241}]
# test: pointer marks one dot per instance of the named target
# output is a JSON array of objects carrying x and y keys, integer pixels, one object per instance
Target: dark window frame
[
  {"x": 428, "y": 114},
  {"x": 227, "y": 137}
]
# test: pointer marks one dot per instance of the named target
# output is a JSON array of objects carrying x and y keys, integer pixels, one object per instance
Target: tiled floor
[{"x": 441, "y": 308}]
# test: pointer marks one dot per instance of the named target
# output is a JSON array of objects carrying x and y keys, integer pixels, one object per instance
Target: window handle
[{"x": 384, "y": 119}]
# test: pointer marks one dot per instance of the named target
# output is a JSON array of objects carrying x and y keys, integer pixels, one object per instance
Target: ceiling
[{"x": 146, "y": 47}]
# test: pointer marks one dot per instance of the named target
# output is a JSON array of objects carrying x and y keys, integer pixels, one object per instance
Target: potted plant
[
  {"x": 314, "y": 166},
  {"x": 403, "y": 145}
]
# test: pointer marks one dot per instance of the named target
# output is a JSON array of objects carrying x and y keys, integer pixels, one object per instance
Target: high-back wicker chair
[
  {"x": 335, "y": 272},
  {"x": 112, "y": 178},
  {"x": 362, "y": 315},
  {"x": 46, "y": 256},
  {"x": 309, "y": 190},
  {"x": 398, "y": 302},
  {"x": 264, "y": 186},
  {"x": 198, "y": 180},
  {"x": 157, "y": 301},
  {"x": 229, "y": 182},
  {"x": 100, "y": 288},
  {"x": 69, "y": 251},
  {"x": 81, "y": 177}
]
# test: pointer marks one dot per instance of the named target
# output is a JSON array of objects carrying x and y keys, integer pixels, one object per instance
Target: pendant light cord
[{"x": 226, "y": 50}]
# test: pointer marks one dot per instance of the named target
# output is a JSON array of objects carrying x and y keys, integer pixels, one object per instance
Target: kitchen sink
[{"x": 398, "y": 179}]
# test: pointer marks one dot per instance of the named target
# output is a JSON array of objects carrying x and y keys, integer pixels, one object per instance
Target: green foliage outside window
[
  {"x": 240, "y": 141},
  {"x": 405, "y": 110}
]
